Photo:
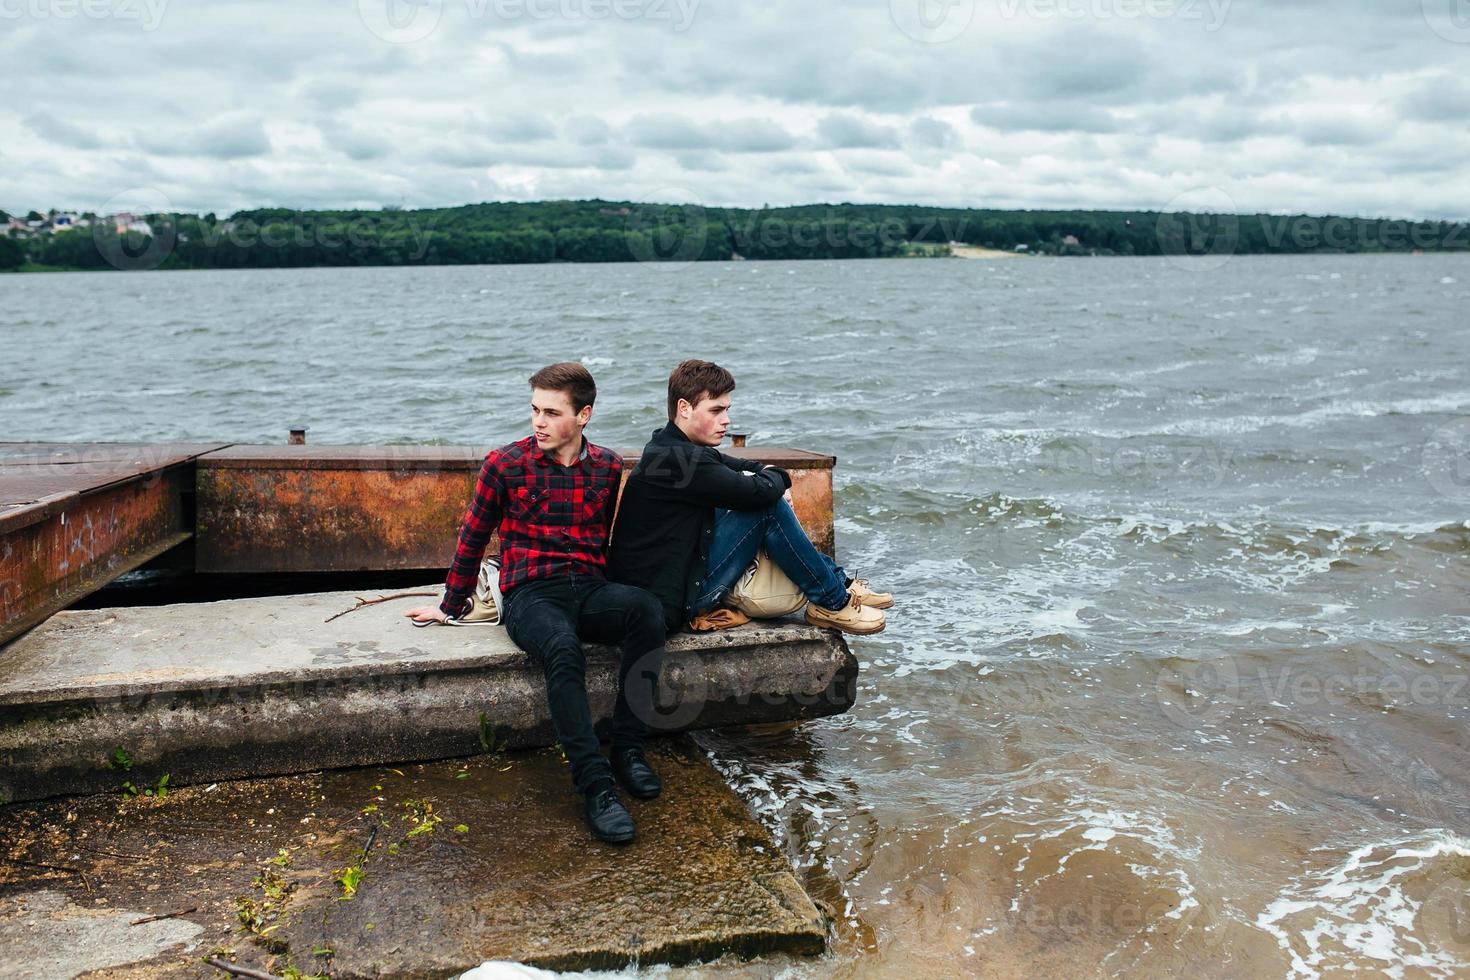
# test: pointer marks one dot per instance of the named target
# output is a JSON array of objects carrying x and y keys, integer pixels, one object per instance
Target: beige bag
[
  {"x": 485, "y": 603},
  {"x": 764, "y": 591}
]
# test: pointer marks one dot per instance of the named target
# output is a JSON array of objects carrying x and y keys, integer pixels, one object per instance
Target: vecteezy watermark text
[
  {"x": 148, "y": 13},
  {"x": 1450, "y": 19},
  {"x": 1203, "y": 693},
  {"x": 1211, "y": 12},
  {"x": 407, "y": 21},
  {"x": 938, "y": 21}
]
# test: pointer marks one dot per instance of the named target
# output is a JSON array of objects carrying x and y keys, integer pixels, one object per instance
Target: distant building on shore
[{"x": 126, "y": 221}]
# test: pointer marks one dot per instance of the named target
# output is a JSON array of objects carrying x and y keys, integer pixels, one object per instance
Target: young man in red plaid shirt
[{"x": 552, "y": 496}]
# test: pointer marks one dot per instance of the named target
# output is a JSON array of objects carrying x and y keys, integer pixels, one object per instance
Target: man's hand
[
  {"x": 424, "y": 615},
  {"x": 785, "y": 496}
]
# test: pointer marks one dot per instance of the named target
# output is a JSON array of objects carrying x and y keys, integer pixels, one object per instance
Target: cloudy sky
[{"x": 1321, "y": 106}]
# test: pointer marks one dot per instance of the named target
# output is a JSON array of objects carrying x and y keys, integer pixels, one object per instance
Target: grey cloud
[
  {"x": 936, "y": 133},
  {"x": 796, "y": 164},
  {"x": 1227, "y": 124},
  {"x": 1054, "y": 117},
  {"x": 671, "y": 132},
  {"x": 588, "y": 130},
  {"x": 842, "y": 131},
  {"x": 465, "y": 152},
  {"x": 752, "y": 136},
  {"x": 553, "y": 63},
  {"x": 1443, "y": 98},
  {"x": 676, "y": 132},
  {"x": 880, "y": 164},
  {"x": 478, "y": 154},
  {"x": 1213, "y": 124},
  {"x": 60, "y": 131},
  {"x": 614, "y": 158},
  {"x": 521, "y": 127},
  {"x": 1073, "y": 62},
  {"x": 356, "y": 143},
  {"x": 332, "y": 93},
  {"x": 229, "y": 137},
  {"x": 1126, "y": 109},
  {"x": 701, "y": 160},
  {"x": 1341, "y": 131},
  {"x": 811, "y": 73}
]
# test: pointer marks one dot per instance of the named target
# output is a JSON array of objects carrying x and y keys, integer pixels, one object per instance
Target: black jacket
[{"x": 666, "y": 518}]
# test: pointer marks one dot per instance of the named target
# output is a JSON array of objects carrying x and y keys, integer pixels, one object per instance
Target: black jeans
[{"x": 546, "y": 618}]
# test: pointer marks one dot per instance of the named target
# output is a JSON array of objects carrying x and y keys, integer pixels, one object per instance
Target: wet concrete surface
[
  {"x": 245, "y": 688},
  {"x": 415, "y": 871}
]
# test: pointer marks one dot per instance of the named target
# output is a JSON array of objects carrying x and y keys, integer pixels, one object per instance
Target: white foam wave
[
  {"x": 1446, "y": 404},
  {"x": 1305, "y": 355},
  {"x": 1369, "y": 906},
  {"x": 507, "y": 970},
  {"x": 1154, "y": 851}
]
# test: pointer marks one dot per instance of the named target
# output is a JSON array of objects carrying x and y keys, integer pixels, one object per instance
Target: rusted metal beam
[
  {"x": 74, "y": 516},
  {"x": 305, "y": 508}
]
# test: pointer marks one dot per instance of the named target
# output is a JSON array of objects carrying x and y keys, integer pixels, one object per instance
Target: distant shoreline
[
  {"x": 963, "y": 252},
  {"x": 979, "y": 252},
  {"x": 505, "y": 233}
]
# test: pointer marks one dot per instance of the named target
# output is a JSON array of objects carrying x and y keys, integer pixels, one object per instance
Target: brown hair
[
  {"x": 570, "y": 377},
  {"x": 694, "y": 380}
]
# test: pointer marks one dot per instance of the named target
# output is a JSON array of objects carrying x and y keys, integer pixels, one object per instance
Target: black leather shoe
[
  {"x": 608, "y": 818},
  {"x": 633, "y": 771}
]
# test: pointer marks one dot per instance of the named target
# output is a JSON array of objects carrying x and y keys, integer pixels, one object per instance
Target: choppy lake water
[{"x": 1177, "y": 678}]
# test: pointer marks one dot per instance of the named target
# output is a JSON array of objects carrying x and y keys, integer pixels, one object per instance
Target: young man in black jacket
[{"x": 692, "y": 518}]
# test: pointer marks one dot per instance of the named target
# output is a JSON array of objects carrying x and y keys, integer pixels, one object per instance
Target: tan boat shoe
[
  {"x": 860, "y": 591},
  {"x": 852, "y": 618}
]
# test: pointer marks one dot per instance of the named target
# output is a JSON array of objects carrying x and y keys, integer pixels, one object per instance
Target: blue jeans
[{"x": 739, "y": 534}]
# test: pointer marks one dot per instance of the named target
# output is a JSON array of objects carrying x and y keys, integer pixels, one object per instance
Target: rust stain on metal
[
  {"x": 47, "y": 564},
  {"x": 39, "y": 479},
  {"x": 300, "y": 520},
  {"x": 353, "y": 508},
  {"x": 811, "y": 497},
  {"x": 74, "y": 516}
]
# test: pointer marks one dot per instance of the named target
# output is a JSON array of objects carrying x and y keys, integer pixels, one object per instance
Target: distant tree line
[{"x": 611, "y": 231}]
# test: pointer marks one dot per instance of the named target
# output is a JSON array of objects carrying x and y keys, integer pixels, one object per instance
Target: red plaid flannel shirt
[{"x": 553, "y": 519}]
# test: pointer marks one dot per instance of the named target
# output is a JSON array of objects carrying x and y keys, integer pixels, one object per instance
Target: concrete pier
[
  {"x": 254, "y": 687},
  {"x": 449, "y": 863}
]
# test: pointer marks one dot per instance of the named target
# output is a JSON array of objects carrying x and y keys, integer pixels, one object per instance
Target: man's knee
[
  {"x": 561, "y": 653},
  {"x": 645, "y": 610}
]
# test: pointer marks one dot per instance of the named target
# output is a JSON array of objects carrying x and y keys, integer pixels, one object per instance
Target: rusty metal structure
[{"x": 74, "y": 516}]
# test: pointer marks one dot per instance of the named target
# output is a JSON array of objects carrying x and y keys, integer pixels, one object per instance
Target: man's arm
[
  {"x": 714, "y": 482},
  {"x": 740, "y": 465},
  {"x": 610, "y": 508},
  {"x": 480, "y": 521}
]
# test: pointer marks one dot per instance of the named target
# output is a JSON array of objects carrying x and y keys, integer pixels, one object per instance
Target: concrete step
[{"x": 253, "y": 687}]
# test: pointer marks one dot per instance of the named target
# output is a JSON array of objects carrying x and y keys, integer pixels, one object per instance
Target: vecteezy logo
[
  {"x": 1199, "y": 230},
  {"x": 1446, "y": 460},
  {"x": 124, "y": 235},
  {"x": 932, "y": 21},
  {"x": 667, "y": 229},
  {"x": 1200, "y": 694},
  {"x": 1444, "y": 918},
  {"x": 400, "y": 21},
  {"x": 1450, "y": 19}
]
